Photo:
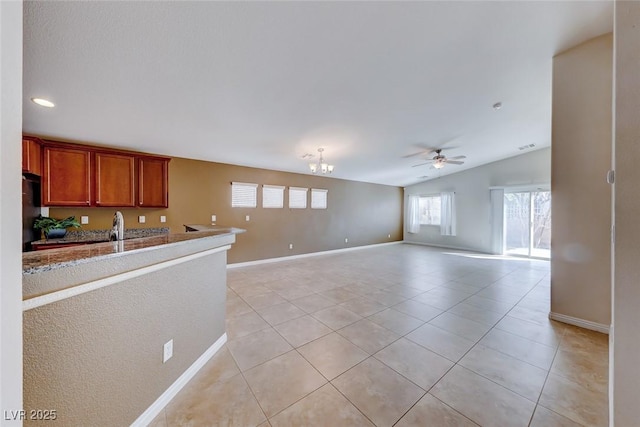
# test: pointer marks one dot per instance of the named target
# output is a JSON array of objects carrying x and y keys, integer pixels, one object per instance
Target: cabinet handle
[{"x": 88, "y": 202}]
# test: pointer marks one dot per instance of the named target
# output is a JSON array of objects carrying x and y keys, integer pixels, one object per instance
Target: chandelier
[{"x": 321, "y": 165}]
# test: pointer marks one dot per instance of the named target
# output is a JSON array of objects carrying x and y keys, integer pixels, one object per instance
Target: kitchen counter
[
  {"x": 99, "y": 316},
  {"x": 97, "y": 236},
  {"x": 36, "y": 262}
]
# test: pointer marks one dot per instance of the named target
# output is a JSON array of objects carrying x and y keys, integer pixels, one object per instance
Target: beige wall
[
  {"x": 96, "y": 358},
  {"x": 363, "y": 213},
  {"x": 625, "y": 378},
  {"x": 10, "y": 207},
  {"x": 580, "y": 159}
]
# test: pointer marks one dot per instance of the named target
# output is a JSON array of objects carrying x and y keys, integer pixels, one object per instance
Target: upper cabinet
[
  {"x": 31, "y": 156},
  {"x": 115, "y": 180},
  {"x": 82, "y": 175},
  {"x": 66, "y": 179},
  {"x": 153, "y": 183}
]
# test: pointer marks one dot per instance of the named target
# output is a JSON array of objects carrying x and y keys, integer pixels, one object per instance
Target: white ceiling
[{"x": 262, "y": 83}]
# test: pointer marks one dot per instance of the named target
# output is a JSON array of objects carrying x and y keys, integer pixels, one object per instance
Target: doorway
[{"x": 527, "y": 223}]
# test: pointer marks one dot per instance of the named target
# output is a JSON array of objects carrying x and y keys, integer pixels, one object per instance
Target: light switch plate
[
  {"x": 346, "y": 240},
  {"x": 167, "y": 351},
  {"x": 290, "y": 245},
  {"x": 84, "y": 219},
  {"x": 163, "y": 218},
  {"x": 247, "y": 218},
  {"x": 213, "y": 218},
  {"x": 142, "y": 219}
]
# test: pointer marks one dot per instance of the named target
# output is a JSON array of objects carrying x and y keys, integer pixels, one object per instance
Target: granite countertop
[
  {"x": 39, "y": 261},
  {"x": 95, "y": 236}
]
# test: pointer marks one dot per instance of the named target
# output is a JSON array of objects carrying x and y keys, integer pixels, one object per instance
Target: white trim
[
  {"x": 156, "y": 407},
  {"x": 41, "y": 300},
  {"x": 545, "y": 186},
  {"x": 279, "y": 187},
  {"x": 587, "y": 324},
  {"x": 247, "y": 184},
  {"x": 460, "y": 248},
  {"x": 311, "y": 254}
]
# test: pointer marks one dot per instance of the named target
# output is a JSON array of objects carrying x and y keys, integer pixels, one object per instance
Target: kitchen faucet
[{"x": 117, "y": 231}]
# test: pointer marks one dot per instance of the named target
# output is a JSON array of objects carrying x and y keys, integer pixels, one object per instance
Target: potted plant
[{"x": 54, "y": 228}]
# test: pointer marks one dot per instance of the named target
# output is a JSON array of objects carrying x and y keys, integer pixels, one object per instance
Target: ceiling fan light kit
[
  {"x": 439, "y": 160},
  {"x": 321, "y": 166}
]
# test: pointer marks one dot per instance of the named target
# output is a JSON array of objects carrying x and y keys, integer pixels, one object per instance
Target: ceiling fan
[{"x": 439, "y": 160}]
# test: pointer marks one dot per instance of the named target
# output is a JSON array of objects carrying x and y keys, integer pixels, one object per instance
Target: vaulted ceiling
[{"x": 263, "y": 83}]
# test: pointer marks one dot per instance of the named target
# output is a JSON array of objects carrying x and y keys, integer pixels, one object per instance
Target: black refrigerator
[{"x": 30, "y": 210}]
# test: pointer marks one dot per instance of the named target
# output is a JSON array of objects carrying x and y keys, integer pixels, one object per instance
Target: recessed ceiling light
[
  {"x": 43, "y": 102},
  {"x": 497, "y": 106}
]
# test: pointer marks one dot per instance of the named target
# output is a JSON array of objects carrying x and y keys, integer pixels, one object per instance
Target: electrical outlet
[
  {"x": 247, "y": 218},
  {"x": 346, "y": 240},
  {"x": 290, "y": 245},
  {"x": 213, "y": 218},
  {"x": 163, "y": 218},
  {"x": 167, "y": 351},
  {"x": 84, "y": 219},
  {"x": 142, "y": 219}
]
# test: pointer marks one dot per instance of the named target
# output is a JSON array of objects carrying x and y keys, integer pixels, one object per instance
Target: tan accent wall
[
  {"x": 96, "y": 358},
  {"x": 625, "y": 375},
  {"x": 580, "y": 159},
  {"x": 364, "y": 213}
]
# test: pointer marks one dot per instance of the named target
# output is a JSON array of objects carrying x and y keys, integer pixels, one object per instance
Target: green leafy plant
[{"x": 47, "y": 224}]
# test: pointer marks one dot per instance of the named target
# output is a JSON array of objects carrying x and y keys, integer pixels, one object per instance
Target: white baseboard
[
  {"x": 459, "y": 248},
  {"x": 164, "y": 399},
  {"x": 311, "y": 254},
  {"x": 587, "y": 324}
]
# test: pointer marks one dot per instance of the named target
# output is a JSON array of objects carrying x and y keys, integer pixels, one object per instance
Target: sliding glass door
[{"x": 527, "y": 223}]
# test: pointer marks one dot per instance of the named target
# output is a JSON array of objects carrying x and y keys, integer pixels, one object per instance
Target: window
[
  {"x": 297, "y": 198},
  {"x": 429, "y": 210},
  {"x": 318, "y": 198},
  {"x": 244, "y": 195},
  {"x": 272, "y": 196}
]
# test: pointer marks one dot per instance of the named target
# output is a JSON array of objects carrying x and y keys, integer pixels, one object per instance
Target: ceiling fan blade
[
  {"x": 414, "y": 155},
  {"x": 458, "y": 157},
  {"x": 455, "y": 162},
  {"x": 421, "y": 164}
]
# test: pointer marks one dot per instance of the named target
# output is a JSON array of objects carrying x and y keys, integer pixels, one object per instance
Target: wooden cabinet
[
  {"x": 31, "y": 156},
  {"x": 57, "y": 246},
  {"x": 153, "y": 177},
  {"x": 115, "y": 180},
  {"x": 66, "y": 179},
  {"x": 84, "y": 175}
]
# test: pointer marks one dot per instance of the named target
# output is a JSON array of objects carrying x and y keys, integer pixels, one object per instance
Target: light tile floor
[{"x": 398, "y": 335}]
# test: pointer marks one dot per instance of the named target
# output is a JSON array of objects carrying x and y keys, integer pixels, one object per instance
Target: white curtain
[
  {"x": 413, "y": 214},
  {"x": 497, "y": 220},
  {"x": 448, "y": 214}
]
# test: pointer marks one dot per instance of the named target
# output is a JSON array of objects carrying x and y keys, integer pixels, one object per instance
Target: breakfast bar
[{"x": 128, "y": 322}]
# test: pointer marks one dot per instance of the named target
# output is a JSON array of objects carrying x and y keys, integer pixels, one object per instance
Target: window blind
[
  {"x": 298, "y": 198},
  {"x": 318, "y": 198},
  {"x": 244, "y": 195},
  {"x": 272, "y": 196}
]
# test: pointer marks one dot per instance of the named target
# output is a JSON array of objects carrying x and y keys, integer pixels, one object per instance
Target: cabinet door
[
  {"x": 153, "y": 183},
  {"x": 115, "y": 184},
  {"x": 31, "y": 156},
  {"x": 66, "y": 180}
]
